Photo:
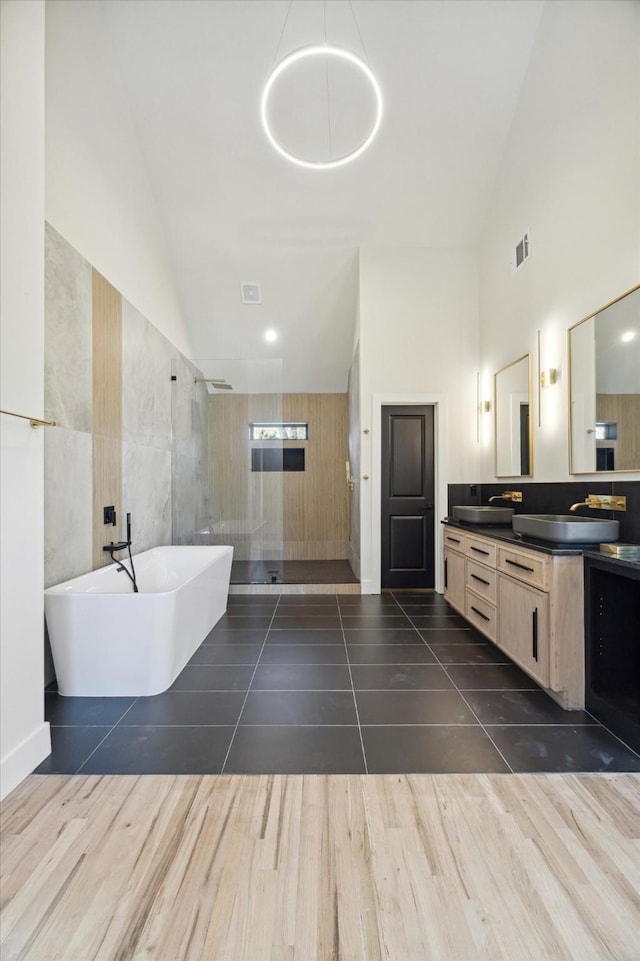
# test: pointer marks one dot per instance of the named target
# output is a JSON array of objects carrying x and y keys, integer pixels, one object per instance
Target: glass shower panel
[
  {"x": 242, "y": 505},
  {"x": 189, "y": 451}
]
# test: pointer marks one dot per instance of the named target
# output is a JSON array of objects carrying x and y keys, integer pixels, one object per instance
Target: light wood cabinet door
[
  {"x": 523, "y": 627},
  {"x": 454, "y": 579}
]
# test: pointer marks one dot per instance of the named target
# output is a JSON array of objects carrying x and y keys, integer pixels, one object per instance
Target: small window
[
  {"x": 606, "y": 430},
  {"x": 293, "y": 430}
]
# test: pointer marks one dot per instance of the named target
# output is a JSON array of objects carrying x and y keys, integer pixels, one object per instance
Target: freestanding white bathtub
[{"x": 108, "y": 641}]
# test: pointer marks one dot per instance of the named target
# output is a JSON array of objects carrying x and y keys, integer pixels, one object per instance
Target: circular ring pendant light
[{"x": 327, "y": 51}]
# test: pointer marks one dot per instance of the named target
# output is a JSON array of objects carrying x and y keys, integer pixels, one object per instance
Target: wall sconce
[{"x": 548, "y": 377}]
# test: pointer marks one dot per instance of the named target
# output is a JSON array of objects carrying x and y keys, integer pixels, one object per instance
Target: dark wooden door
[{"x": 407, "y": 497}]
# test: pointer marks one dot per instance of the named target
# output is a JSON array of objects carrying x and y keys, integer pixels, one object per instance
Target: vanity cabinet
[{"x": 529, "y": 603}]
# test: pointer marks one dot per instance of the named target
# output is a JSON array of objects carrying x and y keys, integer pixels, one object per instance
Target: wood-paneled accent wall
[
  {"x": 623, "y": 409},
  {"x": 303, "y": 515},
  {"x": 107, "y": 412}
]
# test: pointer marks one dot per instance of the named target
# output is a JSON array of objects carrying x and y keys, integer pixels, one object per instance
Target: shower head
[{"x": 215, "y": 383}]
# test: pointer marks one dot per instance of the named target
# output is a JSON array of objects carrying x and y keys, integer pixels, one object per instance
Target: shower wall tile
[
  {"x": 68, "y": 538},
  {"x": 190, "y": 452},
  {"x": 146, "y": 495},
  {"x": 68, "y": 383},
  {"x": 146, "y": 381},
  {"x": 190, "y": 406}
]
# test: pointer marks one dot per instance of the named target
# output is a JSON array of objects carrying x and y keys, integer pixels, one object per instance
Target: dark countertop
[
  {"x": 609, "y": 560},
  {"x": 502, "y": 532}
]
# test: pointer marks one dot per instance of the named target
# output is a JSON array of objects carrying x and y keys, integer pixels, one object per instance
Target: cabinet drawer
[
  {"x": 482, "y": 580},
  {"x": 454, "y": 540},
  {"x": 526, "y": 566},
  {"x": 479, "y": 549},
  {"x": 481, "y": 614}
]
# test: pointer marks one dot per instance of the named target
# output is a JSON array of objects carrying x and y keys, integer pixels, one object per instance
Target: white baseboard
[{"x": 21, "y": 761}]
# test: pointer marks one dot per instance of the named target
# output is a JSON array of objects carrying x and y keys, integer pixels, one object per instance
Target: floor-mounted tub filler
[{"x": 108, "y": 641}]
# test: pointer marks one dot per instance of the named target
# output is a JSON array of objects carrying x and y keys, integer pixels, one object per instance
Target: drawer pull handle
[
  {"x": 482, "y": 581},
  {"x": 445, "y": 573},
  {"x": 480, "y": 614},
  {"x": 523, "y": 567},
  {"x": 479, "y": 551},
  {"x": 455, "y": 540},
  {"x": 534, "y": 633}
]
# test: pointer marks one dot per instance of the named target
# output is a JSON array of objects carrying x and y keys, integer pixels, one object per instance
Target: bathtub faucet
[{"x": 112, "y": 548}]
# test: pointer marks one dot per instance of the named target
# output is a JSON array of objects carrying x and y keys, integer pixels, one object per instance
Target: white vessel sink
[
  {"x": 483, "y": 515},
  {"x": 566, "y": 528}
]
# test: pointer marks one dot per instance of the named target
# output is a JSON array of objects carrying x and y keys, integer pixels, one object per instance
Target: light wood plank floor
[{"x": 322, "y": 868}]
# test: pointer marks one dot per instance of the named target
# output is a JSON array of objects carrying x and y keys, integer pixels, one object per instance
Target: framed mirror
[
  {"x": 513, "y": 425},
  {"x": 604, "y": 388}
]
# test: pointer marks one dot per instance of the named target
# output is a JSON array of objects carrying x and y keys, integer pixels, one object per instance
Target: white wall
[
  {"x": 25, "y": 739},
  {"x": 571, "y": 175},
  {"x": 418, "y": 339},
  {"x": 98, "y": 194}
]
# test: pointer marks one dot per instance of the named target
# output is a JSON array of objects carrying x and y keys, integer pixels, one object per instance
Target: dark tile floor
[{"x": 335, "y": 684}]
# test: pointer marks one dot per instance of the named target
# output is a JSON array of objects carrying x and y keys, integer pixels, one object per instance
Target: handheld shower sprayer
[
  {"x": 112, "y": 548},
  {"x": 133, "y": 572}
]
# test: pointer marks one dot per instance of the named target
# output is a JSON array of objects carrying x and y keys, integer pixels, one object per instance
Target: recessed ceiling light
[
  {"x": 627, "y": 336},
  {"x": 270, "y": 335}
]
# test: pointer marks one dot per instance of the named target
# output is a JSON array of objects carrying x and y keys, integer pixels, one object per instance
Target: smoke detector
[{"x": 250, "y": 292}]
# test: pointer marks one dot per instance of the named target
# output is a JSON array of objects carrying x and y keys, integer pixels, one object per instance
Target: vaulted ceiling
[{"x": 233, "y": 210}]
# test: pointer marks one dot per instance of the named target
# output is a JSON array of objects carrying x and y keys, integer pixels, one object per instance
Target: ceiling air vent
[
  {"x": 250, "y": 293},
  {"x": 523, "y": 248}
]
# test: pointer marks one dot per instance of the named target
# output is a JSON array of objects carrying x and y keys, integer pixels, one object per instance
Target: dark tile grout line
[
  {"x": 353, "y": 695},
  {"x": 237, "y": 725},
  {"x": 112, "y": 729},
  {"x": 500, "y": 753},
  {"x": 420, "y": 724}
]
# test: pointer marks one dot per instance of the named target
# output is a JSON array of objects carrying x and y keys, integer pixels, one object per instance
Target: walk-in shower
[{"x": 273, "y": 478}]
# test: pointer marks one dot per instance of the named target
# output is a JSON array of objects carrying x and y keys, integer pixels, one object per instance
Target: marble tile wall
[
  {"x": 164, "y": 426},
  {"x": 146, "y": 382},
  {"x": 68, "y": 393},
  {"x": 146, "y": 429},
  {"x": 68, "y": 335}
]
